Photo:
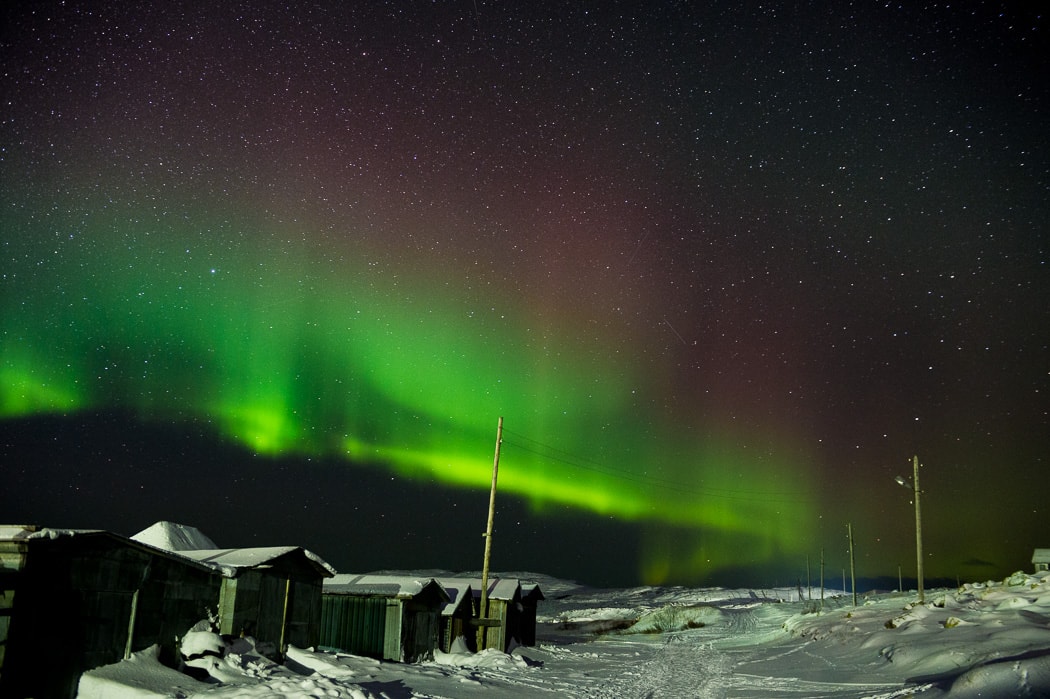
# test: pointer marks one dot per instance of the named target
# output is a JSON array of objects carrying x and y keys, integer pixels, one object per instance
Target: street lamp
[{"x": 914, "y": 485}]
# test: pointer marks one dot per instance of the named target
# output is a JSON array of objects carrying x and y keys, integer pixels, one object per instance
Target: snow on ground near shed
[{"x": 987, "y": 639}]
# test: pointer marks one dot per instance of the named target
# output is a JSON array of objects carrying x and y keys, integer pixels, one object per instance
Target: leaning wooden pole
[{"x": 483, "y": 610}]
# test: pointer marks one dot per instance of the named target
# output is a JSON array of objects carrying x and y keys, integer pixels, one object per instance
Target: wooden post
[
  {"x": 918, "y": 528},
  {"x": 809, "y": 581},
  {"x": 284, "y": 615},
  {"x": 483, "y": 611},
  {"x": 131, "y": 623},
  {"x": 822, "y": 577},
  {"x": 852, "y": 571}
]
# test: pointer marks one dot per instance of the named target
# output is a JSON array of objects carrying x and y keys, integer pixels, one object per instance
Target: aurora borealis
[{"x": 722, "y": 270}]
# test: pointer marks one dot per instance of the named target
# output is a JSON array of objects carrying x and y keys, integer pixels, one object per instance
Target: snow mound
[
  {"x": 1025, "y": 676},
  {"x": 335, "y": 665},
  {"x": 139, "y": 677},
  {"x": 678, "y": 617},
  {"x": 201, "y": 643},
  {"x": 490, "y": 658},
  {"x": 174, "y": 537}
]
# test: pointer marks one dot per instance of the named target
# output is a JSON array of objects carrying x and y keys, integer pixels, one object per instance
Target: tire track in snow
[
  {"x": 687, "y": 665},
  {"x": 680, "y": 668},
  {"x": 684, "y": 668}
]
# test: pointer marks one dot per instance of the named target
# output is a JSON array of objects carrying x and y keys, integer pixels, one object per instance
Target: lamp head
[{"x": 901, "y": 482}]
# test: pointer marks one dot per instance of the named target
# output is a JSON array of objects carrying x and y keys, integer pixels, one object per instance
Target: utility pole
[
  {"x": 809, "y": 583},
  {"x": 822, "y": 578},
  {"x": 916, "y": 492},
  {"x": 918, "y": 527},
  {"x": 852, "y": 573},
  {"x": 483, "y": 611}
]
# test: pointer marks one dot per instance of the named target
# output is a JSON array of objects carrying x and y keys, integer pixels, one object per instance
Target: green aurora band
[{"x": 288, "y": 350}]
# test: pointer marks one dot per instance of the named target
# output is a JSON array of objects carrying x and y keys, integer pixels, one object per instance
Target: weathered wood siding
[
  {"x": 81, "y": 591},
  {"x": 457, "y": 623},
  {"x": 496, "y": 636},
  {"x": 303, "y": 629},
  {"x": 420, "y": 627},
  {"x": 354, "y": 624},
  {"x": 12, "y": 560}
]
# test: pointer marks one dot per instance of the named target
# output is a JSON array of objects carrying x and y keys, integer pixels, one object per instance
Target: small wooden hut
[
  {"x": 89, "y": 598},
  {"x": 1041, "y": 560},
  {"x": 385, "y": 617},
  {"x": 456, "y": 617},
  {"x": 531, "y": 596},
  {"x": 513, "y": 619},
  {"x": 271, "y": 594}
]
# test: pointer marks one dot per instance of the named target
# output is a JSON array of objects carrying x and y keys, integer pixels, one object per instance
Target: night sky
[{"x": 275, "y": 270}]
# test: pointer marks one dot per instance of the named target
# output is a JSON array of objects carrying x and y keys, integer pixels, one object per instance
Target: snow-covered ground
[{"x": 987, "y": 639}]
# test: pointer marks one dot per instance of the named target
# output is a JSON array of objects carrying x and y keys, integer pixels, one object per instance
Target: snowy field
[{"x": 987, "y": 639}]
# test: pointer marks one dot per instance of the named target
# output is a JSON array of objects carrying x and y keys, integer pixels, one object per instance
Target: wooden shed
[
  {"x": 1041, "y": 560},
  {"x": 531, "y": 596},
  {"x": 271, "y": 594},
  {"x": 381, "y": 616},
  {"x": 456, "y": 617},
  {"x": 13, "y": 549},
  {"x": 513, "y": 618},
  {"x": 89, "y": 598}
]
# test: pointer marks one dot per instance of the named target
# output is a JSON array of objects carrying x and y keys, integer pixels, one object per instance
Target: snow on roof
[
  {"x": 49, "y": 533},
  {"x": 401, "y": 587},
  {"x": 172, "y": 536},
  {"x": 458, "y": 589},
  {"x": 459, "y": 593},
  {"x": 166, "y": 538},
  {"x": 499, "y": 588},
  {"x": 10, "y": 532},
  {"x": 231, "y": 561},
  {"x": 32, "y": 533},
  {"x": 532, "y": 590},
  {"x": 1041, "y": 556}
]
